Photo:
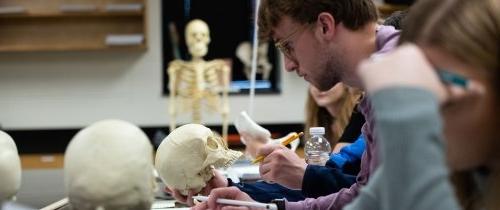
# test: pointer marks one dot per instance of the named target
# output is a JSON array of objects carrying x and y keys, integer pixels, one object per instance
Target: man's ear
[{"x": 326, "y": 24}]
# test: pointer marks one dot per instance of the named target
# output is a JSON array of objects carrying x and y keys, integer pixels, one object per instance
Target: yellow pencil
[{"x": 284, "y": 143}]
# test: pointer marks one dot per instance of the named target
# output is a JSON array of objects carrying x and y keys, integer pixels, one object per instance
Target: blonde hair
[
  {"x": 317, "y": 116},
  {"x": 469, "y": 31}
]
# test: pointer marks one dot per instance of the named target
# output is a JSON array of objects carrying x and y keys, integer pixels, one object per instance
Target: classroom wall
[{"x": 53, "y": 90}]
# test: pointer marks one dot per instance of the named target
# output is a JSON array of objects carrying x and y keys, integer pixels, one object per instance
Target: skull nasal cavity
[{"x": 212, "y": 143}]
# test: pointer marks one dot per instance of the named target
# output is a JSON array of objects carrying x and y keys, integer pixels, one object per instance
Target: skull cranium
[
  {"x": 10, "y": 168},
  {"x": 108, "y": 165},
  {"x": 185, "y": 158}
]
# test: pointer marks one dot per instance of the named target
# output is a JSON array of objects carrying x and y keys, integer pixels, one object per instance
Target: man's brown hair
[{"x": 352, "y": 13}]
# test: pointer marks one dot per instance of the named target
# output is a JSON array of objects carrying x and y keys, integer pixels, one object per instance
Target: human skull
[
  {"x": 10, "y": 168},
  {"x": 108, "y": 165},
  {"x": 185, "y": 158},
  {"x": 197, "y": 38}
]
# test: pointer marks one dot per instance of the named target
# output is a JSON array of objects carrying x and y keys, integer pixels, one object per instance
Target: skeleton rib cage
[{"x": 197, "y": 83}]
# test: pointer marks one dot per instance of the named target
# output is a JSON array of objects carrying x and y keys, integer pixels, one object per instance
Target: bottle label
[{"x": 317, "y": 158}]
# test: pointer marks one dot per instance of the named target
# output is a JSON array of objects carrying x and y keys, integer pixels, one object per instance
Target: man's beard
[{"x": 334, "y": 70}]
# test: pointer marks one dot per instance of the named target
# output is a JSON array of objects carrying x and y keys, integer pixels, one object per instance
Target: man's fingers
[
  {"x": 227, "y": 192},
  {"x": 206, "y": 190},
  {"x": 268, "y": 149},
  {"x": 200, "y": 206},
  {"x": 189, "y": 199},
  {"x": 168, "y": 190},
  {"x": 178, "y": 196},
  {"x": 264, "y": 168}
]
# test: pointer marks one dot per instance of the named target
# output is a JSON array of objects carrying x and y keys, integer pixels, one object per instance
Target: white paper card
[
  {"x": 77, "y": 8},
  {"x": 124, "y": 39},
  {"x": 12, "y": 9},
  {"x": 163, "y": 204},
  {"x": 124, "y": 7}
]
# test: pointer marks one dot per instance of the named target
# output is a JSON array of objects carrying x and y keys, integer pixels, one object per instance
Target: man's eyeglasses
[{"x": 283, "y": 45}]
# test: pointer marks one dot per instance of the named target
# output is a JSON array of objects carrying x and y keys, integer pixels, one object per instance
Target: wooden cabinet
[{"x": 60, "y": 25}]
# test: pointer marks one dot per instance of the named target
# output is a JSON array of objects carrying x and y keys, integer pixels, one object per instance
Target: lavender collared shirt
[{"x": 386, "y": 40}]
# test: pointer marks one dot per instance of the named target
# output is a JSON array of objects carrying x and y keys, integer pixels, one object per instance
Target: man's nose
[{"x": 290, "y": 65}]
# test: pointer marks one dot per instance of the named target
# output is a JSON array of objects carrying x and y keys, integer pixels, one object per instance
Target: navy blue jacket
[{"x": 318, "y": 180}]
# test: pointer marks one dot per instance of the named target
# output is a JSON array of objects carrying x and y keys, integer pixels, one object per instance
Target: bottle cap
[{"x": 317, "y": 130}]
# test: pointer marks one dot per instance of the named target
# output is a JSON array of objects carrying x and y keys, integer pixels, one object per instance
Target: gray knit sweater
[{"x": 412, "y": 173}]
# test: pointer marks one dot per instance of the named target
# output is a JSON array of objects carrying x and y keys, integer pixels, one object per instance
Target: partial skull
[
  {"x": 108, "y": 165},
  {"x": 186, "y": 157},
  {"x": 10, "y": 168}
]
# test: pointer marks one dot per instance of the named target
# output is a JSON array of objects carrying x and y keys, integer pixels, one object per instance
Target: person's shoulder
[
  {"x": 386, "y": 29},
  {"x": 387, "y": 38}
]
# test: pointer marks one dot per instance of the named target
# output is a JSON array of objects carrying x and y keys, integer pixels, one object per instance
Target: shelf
[
  {"x": 33, "y": 25},
  {"x": 56, "y": 6},
  {"x": 42, "y": 161},
  {"x": 72, "y": 14},
  {"x": 42, "y": 48}
]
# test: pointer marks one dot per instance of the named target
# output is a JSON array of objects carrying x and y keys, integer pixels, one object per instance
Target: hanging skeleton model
[{"x": 191, "y": 83}]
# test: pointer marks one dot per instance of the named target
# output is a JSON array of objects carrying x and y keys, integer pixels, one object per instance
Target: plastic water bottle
[{"x": 317, "y": 149}]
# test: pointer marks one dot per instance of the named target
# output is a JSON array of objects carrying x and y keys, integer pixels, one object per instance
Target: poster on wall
[{"x": 231, "y": 27}]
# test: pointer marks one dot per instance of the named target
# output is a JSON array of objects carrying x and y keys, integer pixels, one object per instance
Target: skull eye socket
[{"x": 212, "y": 143}]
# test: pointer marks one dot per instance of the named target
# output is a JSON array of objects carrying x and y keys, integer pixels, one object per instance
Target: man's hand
[
  {"x": 227, "y": 193},
  {"x": 282, "y": 166},
  {"x": 185, "y": 199},
  {"x": 217, "y": 181}
]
